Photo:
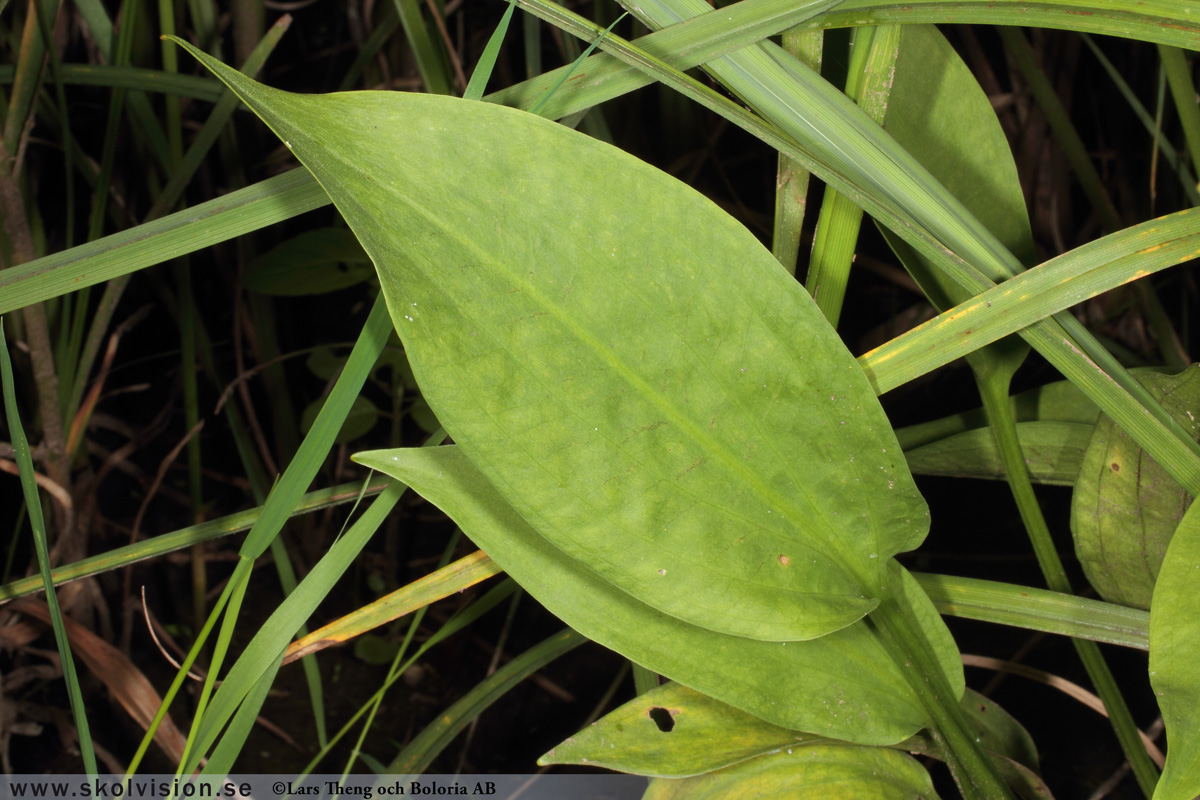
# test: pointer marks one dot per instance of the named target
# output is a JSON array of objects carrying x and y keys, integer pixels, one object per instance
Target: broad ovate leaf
[
  {"x": 628, "y": 365},
  {"x": 1174, "y": 656},
  {"x": 811, "y": 772},
  {"x": 1125, "y": 506},
  {"x": 842, "y": 686}
]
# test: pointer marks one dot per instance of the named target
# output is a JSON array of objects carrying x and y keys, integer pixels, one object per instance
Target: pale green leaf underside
[
  {"x": 842, "y": 685},
  {"x": 649, "y": 389},
  {"x": 1174, "y": 654}
]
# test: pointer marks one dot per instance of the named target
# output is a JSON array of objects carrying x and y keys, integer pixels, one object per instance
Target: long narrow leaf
[
  {"x": 1035, "y": 295},
  {"x": 209, "y": 223},
  {"x": 33, "y": 506}
]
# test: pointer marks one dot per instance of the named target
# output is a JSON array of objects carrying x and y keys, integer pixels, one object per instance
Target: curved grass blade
[
  {"x": 420, "y": 752},
  {"x": 33, "y": 507},
  {"x": 1163, "y": 21},
  {"x": 1035, "y": 295}
]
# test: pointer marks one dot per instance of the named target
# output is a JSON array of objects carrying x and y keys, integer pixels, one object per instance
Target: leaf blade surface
[{"x": 630, "y": 367}]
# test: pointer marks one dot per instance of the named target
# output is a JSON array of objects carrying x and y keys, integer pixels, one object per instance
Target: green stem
[
  {"x": 791, "y": 183},
  {"x": 994, "y": 393},
  {"x": 972, "y": 769}
]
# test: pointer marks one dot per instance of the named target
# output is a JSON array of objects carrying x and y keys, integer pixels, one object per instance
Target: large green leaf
[
  {"x": 813, "y": 772},
  {"x": 1125, "y": 506},
  {"x": 1174, "y": 654},
  {"x": 630, "y": 366},
  {"x": 840, "y": 686}
]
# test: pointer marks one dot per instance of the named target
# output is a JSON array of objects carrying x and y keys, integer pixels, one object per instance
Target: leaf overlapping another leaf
[
  {"x": 842, "y": 685},
  {"x": 650, "y": 390}
]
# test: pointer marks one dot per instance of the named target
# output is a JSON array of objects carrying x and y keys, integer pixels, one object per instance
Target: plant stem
[
  {"x": 971, "y": 767},
  {"x": 999, "y": 413}
]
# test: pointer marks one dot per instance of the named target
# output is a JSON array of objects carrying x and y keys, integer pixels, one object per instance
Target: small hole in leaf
[{"x": 663, "y": 719}]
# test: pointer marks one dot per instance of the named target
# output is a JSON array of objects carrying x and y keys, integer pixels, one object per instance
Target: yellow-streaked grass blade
[
  {"x": 420, "y": 752},
  {"x": 214, "y": 221},
  {"x": 1037, "y": 609},
  {"x": 970, "y": 598},
  {"x": 1034, "y": 295},
  {"x": 464, "y": 573},
  {"x": 33, "y": 506},
  {"x": 184, "y": 538}
]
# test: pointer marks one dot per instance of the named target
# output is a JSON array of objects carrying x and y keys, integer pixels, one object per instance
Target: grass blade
[
  {"x": 460, "y": 575},
  {"x": 184, "y": 538},
  {"x": 420, "y": 752},
  {"x": 1037, "y": 610},
  {"x": 33, "y": 505},
  {"x": 1034, "y": 295},
  {"x": 265, "y": 203}
]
